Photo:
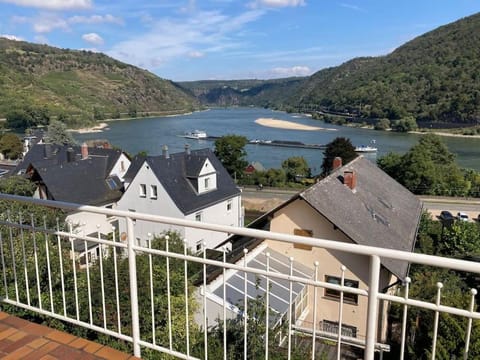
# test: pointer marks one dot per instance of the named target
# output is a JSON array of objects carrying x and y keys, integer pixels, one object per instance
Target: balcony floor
[{"x": 20, "y": 339}]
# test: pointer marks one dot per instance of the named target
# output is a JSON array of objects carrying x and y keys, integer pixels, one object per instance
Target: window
[
  {"x": 207, "y": 183},
  {"x": 302, "y": 232},
  {"x": 122, "y": 165},
  {"x": 198, "y": 216},
  {"x": 199, "y": 246},
  {"x": 143, "y": 190},
  {"x": 229, "y": 205},
  {"x": 153, "y": 191},
  {"x": 332, "y": 328},
  {"x": 335, "y": 294}
]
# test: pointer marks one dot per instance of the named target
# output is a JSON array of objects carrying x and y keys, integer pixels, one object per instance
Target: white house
[
  {"x": 82, "y": 175},
  {"x": 190, "y": 185}
]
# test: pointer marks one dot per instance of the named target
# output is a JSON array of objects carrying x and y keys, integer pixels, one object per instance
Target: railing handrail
[{"x": 432, "y": 260}]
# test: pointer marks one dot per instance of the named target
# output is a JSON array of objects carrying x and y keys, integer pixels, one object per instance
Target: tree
[
  {"x": 57, "y": 134},
  {"x": 405, "y": 125},
  {"x": 339, "y": 147},
  {"x": 382, "y": 124},
  {"x": 11, "y": 146},
  {"x": 295, "y": 167},
  {"x": 427, "y": 168},
  {"x": 230, "y": 150},
  {"x": 19, "y": 119}
]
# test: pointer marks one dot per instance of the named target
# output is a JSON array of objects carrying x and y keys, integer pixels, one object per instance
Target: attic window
[
  {"x": 302, "y": 232},
  {"x": 143, "y": 190}
]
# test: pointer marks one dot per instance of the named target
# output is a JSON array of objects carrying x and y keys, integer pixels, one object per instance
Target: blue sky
[{"x": 229, "y": 39}]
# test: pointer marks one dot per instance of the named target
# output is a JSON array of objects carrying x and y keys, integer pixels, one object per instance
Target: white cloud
[
  {"x": 11, "y": 37},
  {"x": 278, "y": 3},
  {"x": 196, "y": 54},
  {"x": 168, "y": 39},
  {"x": 291, "y": 71},
  {"x": 95, "y": 19},
  {"x": 93, "y": 38},
  {"x": 47, "y": 22},
  {"x": 352, "y": 7},
  {"x": 52, "y": 4}
]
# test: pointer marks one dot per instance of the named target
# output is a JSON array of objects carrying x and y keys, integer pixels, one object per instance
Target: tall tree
[
  {"x": 339, "y": 147},
  {"x": 11, "y": 146},
  {"x": 427, "y": 168},
  {"x": 230, "y": 150},
  {"x": 296, "y": 166},
  {"x": 57, "y": 134}
]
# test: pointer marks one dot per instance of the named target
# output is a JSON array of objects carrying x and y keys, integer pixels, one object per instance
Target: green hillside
[
  {"x": 80, "y": 83},
  {"x": 266, "y": 93},
  {"x": 434, "y": 77}
]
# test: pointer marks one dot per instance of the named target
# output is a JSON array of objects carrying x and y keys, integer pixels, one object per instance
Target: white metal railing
[{"x": 40, "y": 272}]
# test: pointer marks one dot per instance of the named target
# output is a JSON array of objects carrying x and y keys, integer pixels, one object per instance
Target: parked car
[
  {"x": 462, "y": 216},
  {"x": 446, "y": 215}
]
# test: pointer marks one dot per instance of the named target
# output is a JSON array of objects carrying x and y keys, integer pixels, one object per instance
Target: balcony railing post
[
  {"x": 132, "y": 273},
  {"x": 372, "y": 314}
]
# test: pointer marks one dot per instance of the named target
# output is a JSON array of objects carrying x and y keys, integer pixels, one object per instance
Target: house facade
[
  {"x": 82, "y": 175},
  {"x": 191, "y": 185},
  {"x": 356, "y": 204}
]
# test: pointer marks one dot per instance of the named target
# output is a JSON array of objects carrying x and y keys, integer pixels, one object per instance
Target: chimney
[
  {"x": 187, "y": 149},
  {"x": 84, "y": 151},
  {"x": 337, "y": 163},
  {"x": 350, "y": 179},
  {"x": 165, "y": 152},
  {"x": 47, "y": 151},
  {"x": 70, "y": 155}
]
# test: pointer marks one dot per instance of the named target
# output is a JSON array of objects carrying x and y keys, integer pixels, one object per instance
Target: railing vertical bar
[
  {"x": 117, "y": 296},
  {"x": 372, "y": 311},
  {"x": 35, "y": 257},
  {"x": 102, "y": 284},
  {"x": 74, "y": 266},
  {"x": 132, "y": 273},
  {"x": 469, "y": 324},
  {"x": 290, "y": 300},
  {"x": 25, "y": 270},
  {"x": 187, "y": 322},
  {"x": 49, "y": 271},
  {"x": 340, "y": 313},
  {"x": 89, "y": 290},
  {"x": 60, "y": 257},
  {"x": 14, "y": 266},
  {"x": 22, "y": 238},
  {"x": 435, "y": 324},
  {"x": 169, "y": 298},
  {"x": 205, "y": 320},
  {"x": 404, "y": 320},
  {"x": 245, "y": 304},
  {"x": 224, "y": 305},
  {"x": 3, "y": 266},
  {"x": 315, "y": 295},
  {"x": 267, "y": 306},
  {"x": 152, "y": 300}
]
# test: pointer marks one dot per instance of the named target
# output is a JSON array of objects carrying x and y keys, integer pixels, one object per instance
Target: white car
[{"x": 462, "y": 216}]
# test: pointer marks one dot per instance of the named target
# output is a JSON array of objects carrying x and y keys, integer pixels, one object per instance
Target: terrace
[{"x": 151, "y": 302}]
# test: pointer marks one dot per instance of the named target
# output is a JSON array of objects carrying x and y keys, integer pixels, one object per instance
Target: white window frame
[
  {"x": 143, "y": 190},
  {"x": 206, "y": 183},
  {"x": 153, "y": 192},
  {"x": 198, "y": 216},
  {"x": 229, "y": 206}
]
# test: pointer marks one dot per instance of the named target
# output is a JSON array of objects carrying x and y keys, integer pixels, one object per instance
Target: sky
[{"x": 185, "y": 40}]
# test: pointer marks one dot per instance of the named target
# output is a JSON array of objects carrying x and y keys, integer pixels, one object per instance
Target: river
[{"x": 150, "y": 134}]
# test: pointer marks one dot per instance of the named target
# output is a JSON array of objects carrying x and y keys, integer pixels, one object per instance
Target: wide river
[{"x": 150, "y": 134}]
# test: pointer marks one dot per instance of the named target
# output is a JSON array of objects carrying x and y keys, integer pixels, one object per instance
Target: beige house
[{"x": 357, "y": 204}]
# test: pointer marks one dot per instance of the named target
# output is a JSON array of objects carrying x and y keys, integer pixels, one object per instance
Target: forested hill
[
  {"x": 267, "y": 93},
  {"x": 80, "y": 82},
  {"x": 434, "y": 77}
]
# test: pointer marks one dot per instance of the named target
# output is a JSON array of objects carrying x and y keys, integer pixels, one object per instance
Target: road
[{"x": 267, "y": 198}]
